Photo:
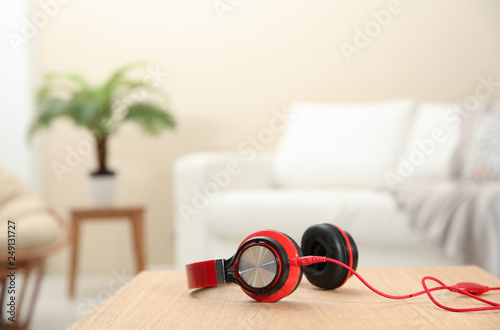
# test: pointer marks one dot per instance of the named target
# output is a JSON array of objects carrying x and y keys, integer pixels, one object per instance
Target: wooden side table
[{"x": 135, "y": 215}]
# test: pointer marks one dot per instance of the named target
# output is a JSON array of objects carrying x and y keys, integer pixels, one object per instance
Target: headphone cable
[{"x": 308, "y": 260}]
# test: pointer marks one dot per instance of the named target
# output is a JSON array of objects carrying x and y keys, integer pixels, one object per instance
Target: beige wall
[{"x": 225, "y": 77}]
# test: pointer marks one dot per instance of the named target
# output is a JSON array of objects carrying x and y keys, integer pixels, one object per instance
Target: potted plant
[{"x": 101, "y": 109}]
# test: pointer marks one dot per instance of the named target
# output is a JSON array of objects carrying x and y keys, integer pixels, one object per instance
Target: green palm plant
[{"x": 103, "y": 108}]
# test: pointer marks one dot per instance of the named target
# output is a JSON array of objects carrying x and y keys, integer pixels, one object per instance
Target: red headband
[{"x": 205, "y": 273}]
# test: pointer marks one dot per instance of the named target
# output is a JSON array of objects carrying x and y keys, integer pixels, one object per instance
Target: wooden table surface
[{"x": 161, "y": 300}]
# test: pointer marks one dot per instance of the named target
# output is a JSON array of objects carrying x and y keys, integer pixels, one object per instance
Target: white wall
[
  {"x": 15, "y": 93},
  {"x": 226, "y": 76}
]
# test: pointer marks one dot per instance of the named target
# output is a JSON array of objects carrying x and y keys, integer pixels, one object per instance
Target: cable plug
[{"x": 308, "y": 260}]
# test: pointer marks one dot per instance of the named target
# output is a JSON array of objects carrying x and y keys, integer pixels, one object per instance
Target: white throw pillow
[
  {"x": 350, "y": 144},
  {"x": 431, "y": 144}
]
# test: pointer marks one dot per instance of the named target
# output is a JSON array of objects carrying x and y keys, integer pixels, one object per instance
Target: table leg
[
  {"x": 138, "y": 224},
  {"x": 74, "y": 255}
]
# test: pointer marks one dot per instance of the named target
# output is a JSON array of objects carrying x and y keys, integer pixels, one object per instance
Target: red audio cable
[{"x": 472, "y": 290}]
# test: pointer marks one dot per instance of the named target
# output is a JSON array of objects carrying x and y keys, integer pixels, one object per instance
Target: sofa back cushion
[
  {"x": 431, "y": 144},
  {"x": 350, "y": 144}
]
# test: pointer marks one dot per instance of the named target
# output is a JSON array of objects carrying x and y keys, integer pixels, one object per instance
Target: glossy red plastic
[
  {"x": 201, "y": 274},
  {"x": 472, "y": 288}
]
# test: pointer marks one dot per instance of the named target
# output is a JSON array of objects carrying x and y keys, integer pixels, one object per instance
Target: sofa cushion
[
  {"x": 9, "y": 187},
  {"x": 341, "y": 144},
  {"x": 431, "y": 144},
  {"x": 36, "y": 228},
  {"x": 34, "y": 231},
  {"x": 28, "y": 202},
  {"x": 478, "y": 156},
  {"x": 370, "y": 216}
]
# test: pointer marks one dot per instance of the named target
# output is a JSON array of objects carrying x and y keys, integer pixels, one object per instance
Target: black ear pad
[{"x": 330, "y": 241}]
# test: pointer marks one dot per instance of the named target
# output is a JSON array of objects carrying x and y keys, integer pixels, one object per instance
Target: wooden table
[
  {"x": 161, "y": 300},
  {"x": 134, "y": 214}
]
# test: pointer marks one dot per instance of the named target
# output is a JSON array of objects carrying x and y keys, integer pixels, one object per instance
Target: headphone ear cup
[
  {"x": 332, "y": 242},
  {"x": 288, "y": 275}
]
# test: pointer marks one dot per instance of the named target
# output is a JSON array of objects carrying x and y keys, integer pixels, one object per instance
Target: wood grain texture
[{"x": 160, "y": 300}]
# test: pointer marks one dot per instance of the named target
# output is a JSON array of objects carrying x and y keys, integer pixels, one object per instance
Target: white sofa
[{"x": 335, "y": 163}]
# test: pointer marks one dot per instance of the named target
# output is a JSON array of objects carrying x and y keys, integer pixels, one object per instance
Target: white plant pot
[{"x": 102, "y": 187}]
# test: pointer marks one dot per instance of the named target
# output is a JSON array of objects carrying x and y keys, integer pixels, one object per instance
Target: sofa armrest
[{"x": 201, "y": 177}]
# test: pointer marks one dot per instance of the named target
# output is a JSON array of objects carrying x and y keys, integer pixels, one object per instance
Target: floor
[{"x": 54, "y": 310}]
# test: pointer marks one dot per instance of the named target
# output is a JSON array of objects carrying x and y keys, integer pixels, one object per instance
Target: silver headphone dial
[{"x": 258, "y": 266}]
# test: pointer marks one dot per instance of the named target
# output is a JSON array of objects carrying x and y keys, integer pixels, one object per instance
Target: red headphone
[
  {"x": 268, "y": 266},
  {"x": 265, "y": 264}
]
